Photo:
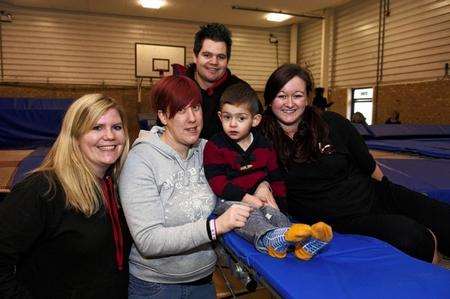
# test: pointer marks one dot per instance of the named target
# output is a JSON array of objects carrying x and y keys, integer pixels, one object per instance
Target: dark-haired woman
[{"x": 332, "y": 177}]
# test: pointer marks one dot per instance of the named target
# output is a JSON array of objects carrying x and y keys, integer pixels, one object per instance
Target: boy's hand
[{"x": 253, "y": 200}]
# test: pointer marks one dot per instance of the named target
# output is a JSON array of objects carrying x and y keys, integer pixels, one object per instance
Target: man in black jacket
[{"x": 212, "y": 51}]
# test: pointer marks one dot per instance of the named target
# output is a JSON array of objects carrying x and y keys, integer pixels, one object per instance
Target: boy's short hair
[
  {"x": 242, "y": 93},
  {"x": 213, "y": 31}
]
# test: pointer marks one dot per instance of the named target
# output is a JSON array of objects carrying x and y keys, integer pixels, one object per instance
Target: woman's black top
[
  {"x": 337, "y": 184},
  {"x": 50, "y": 251}
]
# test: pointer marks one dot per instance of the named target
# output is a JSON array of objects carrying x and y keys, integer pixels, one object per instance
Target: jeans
[
  {"x": 260, "y": 222},
  {"x": 140, "y": 289}
]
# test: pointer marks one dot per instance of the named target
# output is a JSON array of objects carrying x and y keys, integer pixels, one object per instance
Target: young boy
[{"x": 237, "y": 161}]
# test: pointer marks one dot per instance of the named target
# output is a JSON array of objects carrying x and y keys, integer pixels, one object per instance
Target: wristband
[{"x": 212, "y": 227}]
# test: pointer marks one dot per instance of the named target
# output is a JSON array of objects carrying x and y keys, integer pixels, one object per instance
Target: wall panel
[
  {"x": 311, "y": 47},
  {"x": 48, "y": 46},
  {"x": 416, "y": 48},
  {"x": 355, "y": 44},
  {"x": 417, "y": 41}
]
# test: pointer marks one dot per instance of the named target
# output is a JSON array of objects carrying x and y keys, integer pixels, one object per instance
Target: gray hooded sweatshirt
[{"x": 166, "y": 201}]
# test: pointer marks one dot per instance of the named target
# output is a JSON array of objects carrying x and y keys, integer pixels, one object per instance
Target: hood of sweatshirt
[{"x": 153, "y": 139}]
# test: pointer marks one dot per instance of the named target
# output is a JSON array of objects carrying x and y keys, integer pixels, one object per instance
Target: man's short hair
[
  {"x": 213, "y": 31},
  {"x": 242, "y": 94}
]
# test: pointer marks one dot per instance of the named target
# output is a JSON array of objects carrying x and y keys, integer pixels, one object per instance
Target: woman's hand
[
  {"x": 264, "y": 193},
  {"x": 254, "y": 201},
  {"x": 271, "y": 202},
  {"x": 377, "y": 173},
  {"x": 235, "y": 217}
]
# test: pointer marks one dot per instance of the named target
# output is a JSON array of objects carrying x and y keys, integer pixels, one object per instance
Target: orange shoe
[{"x": 321, "y": 235}]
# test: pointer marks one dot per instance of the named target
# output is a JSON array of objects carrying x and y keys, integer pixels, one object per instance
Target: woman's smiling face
[
  {"x": 290, "y": 102},
  {"x": 104, "y": 143}
]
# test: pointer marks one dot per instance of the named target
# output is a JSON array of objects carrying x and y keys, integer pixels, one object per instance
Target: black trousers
[{"x": 403, "y": 218}]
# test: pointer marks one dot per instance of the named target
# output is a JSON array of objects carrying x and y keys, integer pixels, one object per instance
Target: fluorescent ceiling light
[
  {"x": 153, "y": 4},
  {"x": 277, "y": 17}
]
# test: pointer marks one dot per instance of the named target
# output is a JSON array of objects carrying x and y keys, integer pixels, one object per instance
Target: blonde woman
[{"x": 62, "y": 233}]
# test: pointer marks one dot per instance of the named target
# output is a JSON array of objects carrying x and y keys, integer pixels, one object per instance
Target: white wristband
[{"x": 212, "y": 227}]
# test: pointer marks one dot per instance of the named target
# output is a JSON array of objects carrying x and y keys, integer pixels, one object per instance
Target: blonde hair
[{"x": 66, "y": 161}]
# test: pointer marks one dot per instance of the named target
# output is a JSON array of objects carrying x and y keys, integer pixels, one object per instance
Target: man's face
[{"x": 212, "y": 62}]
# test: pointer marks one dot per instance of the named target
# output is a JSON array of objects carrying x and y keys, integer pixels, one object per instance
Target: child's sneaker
[{"x": 275, "y": 242}]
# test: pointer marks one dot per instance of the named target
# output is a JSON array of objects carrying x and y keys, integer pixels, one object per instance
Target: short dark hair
[
  {"x": 173, "y": 93},
  {"x": 213, "y": 31},
  {"x": 283, "y": 75},
  {"x": 242, "y": 93}
]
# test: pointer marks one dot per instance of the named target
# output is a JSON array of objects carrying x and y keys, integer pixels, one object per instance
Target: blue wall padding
[{"x": 30, "y": 123}]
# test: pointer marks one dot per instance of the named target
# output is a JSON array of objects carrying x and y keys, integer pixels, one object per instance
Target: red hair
[{"x": 173, "y": 93}]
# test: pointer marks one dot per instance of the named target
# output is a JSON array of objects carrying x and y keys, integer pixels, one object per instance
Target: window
[{"x": 362, "y": 102}]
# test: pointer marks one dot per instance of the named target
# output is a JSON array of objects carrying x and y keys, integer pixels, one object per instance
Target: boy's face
[{"x": 237, "y": 121}]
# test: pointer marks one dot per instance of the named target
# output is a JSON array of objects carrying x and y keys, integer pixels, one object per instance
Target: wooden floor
[
  {"x": 222, "y": 291},
  {"x": 9, "y": 160},
  {"x": 390, "y": 155}
]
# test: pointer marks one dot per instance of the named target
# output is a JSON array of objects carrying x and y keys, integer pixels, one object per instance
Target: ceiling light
[
  {"x": 153, "y": 4},
  {"x": 277, "y": 17}
]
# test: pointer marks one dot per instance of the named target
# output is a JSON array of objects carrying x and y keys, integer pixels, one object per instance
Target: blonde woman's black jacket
[{"x": 49, "y": 251}]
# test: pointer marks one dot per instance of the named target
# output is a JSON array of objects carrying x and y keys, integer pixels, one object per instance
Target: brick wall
[{"x": 418, "y": 103}]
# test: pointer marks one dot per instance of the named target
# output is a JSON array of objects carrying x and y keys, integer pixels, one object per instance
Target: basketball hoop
[{"x": 161, "y": 72}]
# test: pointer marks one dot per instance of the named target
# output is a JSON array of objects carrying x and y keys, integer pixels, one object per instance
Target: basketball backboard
[{"x": 155, "y": 61}]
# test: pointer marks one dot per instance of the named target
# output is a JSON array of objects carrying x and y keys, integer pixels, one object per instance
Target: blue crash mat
[
  {"x": 350, "y": 267},
  {"x": 430, "y": 176},
  {"x": 431, "y": 147},
  {"x": 28, "y": 164},
  {"x": 408, "y": 130}
]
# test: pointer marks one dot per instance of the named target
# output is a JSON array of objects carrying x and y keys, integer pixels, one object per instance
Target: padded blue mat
[
  {"x": 409, "y": 130},
  {"x": 31, "y": 162},
  {"x": 350, "y": 267},
  {"x": 430, "y": 176},
  {"x": 383, "y": 131},
  {"x": 431, "y": 147}
]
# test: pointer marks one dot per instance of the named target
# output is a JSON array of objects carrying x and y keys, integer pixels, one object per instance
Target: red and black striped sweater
[{"x": 232, "y": 172}]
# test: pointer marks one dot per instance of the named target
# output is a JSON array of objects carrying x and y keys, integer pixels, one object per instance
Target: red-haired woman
[{"x": 167, "y": 200}]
